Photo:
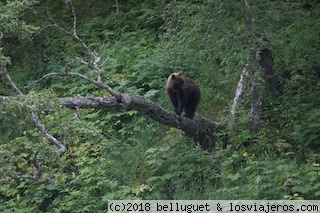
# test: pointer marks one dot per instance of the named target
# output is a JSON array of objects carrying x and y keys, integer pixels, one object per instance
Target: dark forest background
[{"x": 120, "y": 154}]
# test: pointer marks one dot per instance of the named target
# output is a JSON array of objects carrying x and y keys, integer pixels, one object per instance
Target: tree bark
[
  {"x": 253, "y": 67},
  {"x": 200, "y": 130},
  {"x": 255, "y": 108},
  {"x": 269, "y": 74},
  {"x": 239, "y": 96},
  {"x": 34, "y": 117}
]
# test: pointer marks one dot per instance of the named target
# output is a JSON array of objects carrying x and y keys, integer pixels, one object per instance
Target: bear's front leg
[
  {"x": 181, "y": 103},
  {"x": 178, "y": 110},
  {"x": 180, "y": 107}
]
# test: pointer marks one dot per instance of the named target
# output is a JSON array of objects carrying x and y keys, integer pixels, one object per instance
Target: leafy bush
[{"x": 122, "y": 155}]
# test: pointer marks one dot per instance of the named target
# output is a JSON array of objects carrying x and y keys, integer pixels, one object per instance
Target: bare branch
[
  {"x": 248, "y": 18},
  {"x": 105, "y": 61},
  {"x": 117, "y": 6},
  {"x": 72, "y": 34},
  {"x": 13, "y": 85},
  {"x": 76, "y": 114},
  {"x": 36, "y": 176},
  {"x": 6, "y": 181},
  {"x": 201, "y": 130},
  {"x": 74, "y": 74},
  {"x": 78, "y": 59},
  {"x": 74, "y": 17},
  {"x": 42, "y": 128},
  {"x": 75, "y": 35},
  {"x": 57, "y": 27},
  {"x": 4, "y": 98},
  {"x": 35, "y": 118},
  {"x": 96, "y": 57}
]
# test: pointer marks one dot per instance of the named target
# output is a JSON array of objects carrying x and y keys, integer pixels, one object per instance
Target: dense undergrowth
[{"x": 122, "y": 155}]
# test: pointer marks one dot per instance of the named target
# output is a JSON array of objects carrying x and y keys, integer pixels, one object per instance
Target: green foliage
[
  {"x": 122, "y": 155},
  {"x": 307, "y": 134},
  {"x": 180, "y": 172},
  {"x": 247, "y": 176},
  {"x": 206, "y": 42},
  {"x": 10, "y": 17}
]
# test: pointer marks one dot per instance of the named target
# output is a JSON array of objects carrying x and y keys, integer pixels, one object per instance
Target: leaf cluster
[{"x": 121, "y": 155}]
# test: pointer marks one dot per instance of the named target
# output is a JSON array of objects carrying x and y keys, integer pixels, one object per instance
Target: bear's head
[{"x": 177, "y": 81}]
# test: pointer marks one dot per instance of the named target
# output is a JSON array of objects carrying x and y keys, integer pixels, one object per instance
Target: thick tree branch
[
  {"x": 200, "y": 130},
  {"x": 239, "y": 96}
]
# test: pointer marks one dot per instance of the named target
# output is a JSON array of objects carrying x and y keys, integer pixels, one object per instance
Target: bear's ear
[
  {"x": 173, "y": 76},
  {"x": 180, "y": 73}
]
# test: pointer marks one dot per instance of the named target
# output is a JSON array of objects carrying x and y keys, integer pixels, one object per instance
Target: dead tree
[
  {"x": 254, "y": 65},
  {"x": 201, "y": 130},
  {"x": 269, "y": 73}
]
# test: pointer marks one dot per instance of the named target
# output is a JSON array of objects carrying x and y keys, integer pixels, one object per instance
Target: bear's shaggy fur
[{"x": 183, "y": 93}]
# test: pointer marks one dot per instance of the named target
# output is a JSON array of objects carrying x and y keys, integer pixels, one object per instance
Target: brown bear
[{"x": 183, "y": 93}]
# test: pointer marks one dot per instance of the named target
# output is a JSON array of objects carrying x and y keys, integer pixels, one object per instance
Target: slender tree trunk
[
  {"x": 117, "y": 6},
  {"x": 255, "y": 107},
  {"x": 269, "y": 74},
  {"x": 253, "y": 67}
]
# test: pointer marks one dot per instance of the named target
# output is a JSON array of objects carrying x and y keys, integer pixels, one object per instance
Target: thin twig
[
  {"x": 96, "y": 57},
  {"x": 75, "y": 35},
  {"x": 78, "y": 59},
  {"x": 36, "y": 176},
  {"x": 13, "y": 85},
  {"x": 38, "y": 167},
  {"x": 105, "y": 61},
  {"x": 74, "y": 17},
  {"x": 6, "y": 181},
  {"x": 74, "y": 74},
  {"x": 35, "y": 118}
]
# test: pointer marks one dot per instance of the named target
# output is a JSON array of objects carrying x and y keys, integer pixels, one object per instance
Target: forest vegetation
[{"x": 85, "y": 118}]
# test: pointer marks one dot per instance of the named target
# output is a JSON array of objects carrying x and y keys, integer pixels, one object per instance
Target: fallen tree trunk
[{"x": 199, "y": 129}]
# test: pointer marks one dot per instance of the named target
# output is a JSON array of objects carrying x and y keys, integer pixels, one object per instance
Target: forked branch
[
  {"x": 201, "y": 130},
  {"x": 99, "y": 84},
  {"x": 35, "y": 118}
]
